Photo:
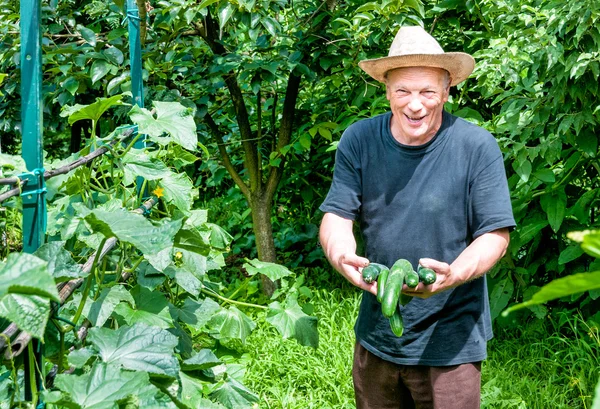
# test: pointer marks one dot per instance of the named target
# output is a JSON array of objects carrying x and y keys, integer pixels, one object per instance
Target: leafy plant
[{"x": 153, "y": 301}]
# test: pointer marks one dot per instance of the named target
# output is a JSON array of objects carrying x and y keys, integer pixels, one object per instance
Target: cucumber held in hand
[
  {"x": 370, "y": 273},
  {"x": 396, "y": 323},
  {"x": 393, "y": 286},
  {"x": 426, "y": 275},
  {"x": 381, "y": 281},
  {"x": 404, "y": 299},
  {"x": 411, "y": 279}
]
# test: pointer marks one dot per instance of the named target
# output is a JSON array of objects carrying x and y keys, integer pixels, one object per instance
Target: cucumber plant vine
[{"x": 154, "y": 320}]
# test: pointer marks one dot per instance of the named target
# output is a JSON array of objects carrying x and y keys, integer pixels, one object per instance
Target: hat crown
[{"x": 414, "y": 40}]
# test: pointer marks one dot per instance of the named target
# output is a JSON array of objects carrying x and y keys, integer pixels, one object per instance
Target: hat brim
[{"x": 459, "y": 65}]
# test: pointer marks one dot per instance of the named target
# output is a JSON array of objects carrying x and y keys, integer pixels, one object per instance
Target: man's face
[{"x": 417, "y": 96}]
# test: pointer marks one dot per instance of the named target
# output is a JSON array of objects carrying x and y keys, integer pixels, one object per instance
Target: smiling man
[{"x": 429, "y": 187}]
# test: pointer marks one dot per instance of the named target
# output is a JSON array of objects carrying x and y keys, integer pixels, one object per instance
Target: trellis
[{"x": 31, "y": 185}]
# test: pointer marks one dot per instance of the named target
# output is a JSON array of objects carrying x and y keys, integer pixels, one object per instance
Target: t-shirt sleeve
[
  {"x": 345, "y": 194},
  {"x": 489, "y": 199}
]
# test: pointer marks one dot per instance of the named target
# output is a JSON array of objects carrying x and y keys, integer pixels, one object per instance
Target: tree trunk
[{"x": 261, "y": 206}]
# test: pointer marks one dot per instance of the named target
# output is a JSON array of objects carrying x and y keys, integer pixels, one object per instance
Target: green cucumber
[
  {"x": 404, "y": 299},
  {"x": 396, "y": 323},
  {"x": 393, "y": 287},
  {"x": 381, "y": 284},
  {"x": 411, "y": 279},
  {"x": 426, "y": 275},
  {"x": 370, "y": 273},
  {"x": 381, "y": 266}
]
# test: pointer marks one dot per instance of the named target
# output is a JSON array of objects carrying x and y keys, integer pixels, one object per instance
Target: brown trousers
[{"x": 380, "y": 384}]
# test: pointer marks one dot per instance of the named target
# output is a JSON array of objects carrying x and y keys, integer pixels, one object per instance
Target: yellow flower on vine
[{"x": 158, "y": 192}]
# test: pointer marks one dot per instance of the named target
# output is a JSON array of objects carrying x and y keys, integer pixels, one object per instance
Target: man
[{"x": 431, "y": 188}]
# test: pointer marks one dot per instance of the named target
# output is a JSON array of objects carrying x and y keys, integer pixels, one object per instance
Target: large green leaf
[
  {"x": 291, "y": 321},
  {"x": 172, "y": 118},
  {"x": 26, "y": 289},
  {"x": 204, "y": 359},
  {"x": 500, "y": 296},
  {"x": 581, "y": 209},
  {"x": 202, "y": 238},
  {"x": 530, "y": 229},
  {"x": 571, "y": 253},
  {"x": 197, "y": 314},
  {"x": 185, "y": 278},
  {"x": 87, "y": 34},
  {"x": 29, "y": 312},
  {"x": 151, "y": 308},
  {"x": 6, "y": 385},
  {"x": 24, "y": 273},
  {"x": 148, "y": 276},
  {"x": 234, "y": 395},
  {"x": 178, "y": 188},
  {"x": 140, "y": 348},
  {"x": 60, "y": 263},
  {"x": 93, "y": 111},
  {"x": 102, "y": 387},
  {"x": 555, "y": 205},
  {"x": 231, "y": 323},
  {"x": 99, "y": 70},
  {"x": 591, "y": 244},
  {"x": 272, "y": 270},
  {"x": 79, "y": 357},
  {"x": 102, "y": 308},
  {"x": 138, "y": 163},
  {"x": 561, "y": 287},
  {"x": 191, "y": 393},
  {"x": 150, "y": 397},
  {"x": 154, "y": 241}
]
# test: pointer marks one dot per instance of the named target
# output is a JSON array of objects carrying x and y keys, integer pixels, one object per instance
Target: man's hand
[
  {"x": 477, "y": 259},
  {"x": 350, "y": 266},
  {"x": 339, "y": 246},
  {"x": 445, "y": 280}
]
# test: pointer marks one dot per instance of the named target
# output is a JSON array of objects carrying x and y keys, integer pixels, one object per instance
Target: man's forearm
[
  {"x": 336, "y": 238},
  {"x": 339, "y": 246},
  {"x": 477, "y": 259},
  {"x": 480, "y": 256}
]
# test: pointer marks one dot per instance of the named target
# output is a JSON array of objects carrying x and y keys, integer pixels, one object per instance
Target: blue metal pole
[
  {"x": 135, "y": 53},
  {"x": 135, "y": 63},
  {"x": 33, "y": 197}
]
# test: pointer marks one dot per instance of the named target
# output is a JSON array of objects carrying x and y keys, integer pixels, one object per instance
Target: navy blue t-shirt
[{"x": 427, "y": 201}]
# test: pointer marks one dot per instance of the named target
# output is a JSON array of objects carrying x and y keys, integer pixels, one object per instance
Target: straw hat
[{"x": 414, "y": 47}]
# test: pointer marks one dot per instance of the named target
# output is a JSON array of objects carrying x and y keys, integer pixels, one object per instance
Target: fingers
[
  {"x": 354, "y": 260},
  {"x": 437, "y": 266},
  {"x": 351, "y": 266},
  {"x": 422, "y": 290}
]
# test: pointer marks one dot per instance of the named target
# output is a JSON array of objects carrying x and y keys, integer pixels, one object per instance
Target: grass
[
  {"x": 289, "y": 376},
  {"x": 543, "y": 368},
  {"x": 537, "y": 367}
]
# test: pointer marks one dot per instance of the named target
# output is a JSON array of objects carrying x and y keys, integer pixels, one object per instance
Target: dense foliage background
[{"x": 270, "y": 86}]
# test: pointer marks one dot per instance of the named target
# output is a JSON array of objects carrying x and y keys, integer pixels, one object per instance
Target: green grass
[
  {"x": 289, "y": 376},
  {"x": 535, "y": 368},
  {"x": 542, "y": 368}
]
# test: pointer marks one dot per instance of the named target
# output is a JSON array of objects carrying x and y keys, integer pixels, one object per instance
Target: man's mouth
[{"x": 414, "y": 119}]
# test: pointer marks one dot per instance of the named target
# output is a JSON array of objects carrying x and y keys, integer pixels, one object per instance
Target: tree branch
[
  {"x": 210, "y": 34},
  {"x": 285, "y": 130},
  {"x": 216, "y": 134}
]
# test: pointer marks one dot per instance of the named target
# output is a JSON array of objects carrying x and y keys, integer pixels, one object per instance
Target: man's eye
[{"x": 429, "y": 93}]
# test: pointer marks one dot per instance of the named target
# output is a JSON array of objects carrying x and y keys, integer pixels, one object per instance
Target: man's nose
[{"x": 415, "y": 104}]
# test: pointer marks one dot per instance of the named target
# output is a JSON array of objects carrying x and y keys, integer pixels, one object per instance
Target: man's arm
[
  {"x": 477, "y": 259},
  {"x": 339, "y": 245}
]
